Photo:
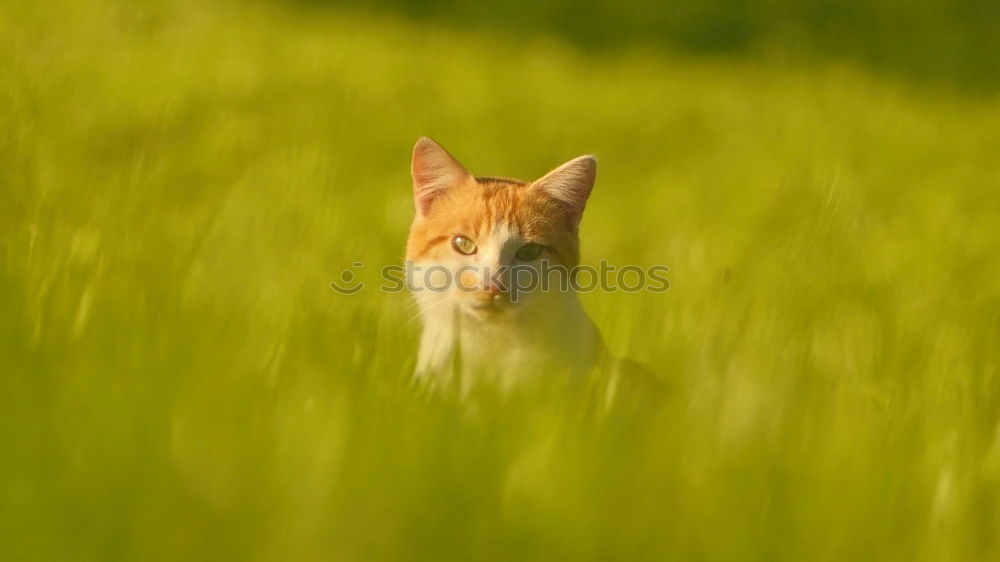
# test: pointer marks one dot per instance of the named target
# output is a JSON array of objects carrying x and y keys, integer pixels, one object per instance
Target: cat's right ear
[{"x": 434, "y": 172}]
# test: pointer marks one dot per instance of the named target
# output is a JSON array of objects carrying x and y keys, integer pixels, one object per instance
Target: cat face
[{"x": 481, "y": 245}]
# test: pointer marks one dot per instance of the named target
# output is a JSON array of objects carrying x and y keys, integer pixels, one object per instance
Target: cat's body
[
  {"x": 473, "y": 247},
  {"x": 551, "y": 337}
]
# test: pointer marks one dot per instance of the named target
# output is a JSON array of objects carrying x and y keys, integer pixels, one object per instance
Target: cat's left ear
[
  {"x": 434, "y": 171},
  {"x": 571, "y": 184}
]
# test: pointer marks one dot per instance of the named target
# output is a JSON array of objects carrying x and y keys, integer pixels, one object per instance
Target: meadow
[{"x": 181, "y": 181}]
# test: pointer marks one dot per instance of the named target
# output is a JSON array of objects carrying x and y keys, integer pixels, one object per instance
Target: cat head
[{"x": 473, "y": 239}]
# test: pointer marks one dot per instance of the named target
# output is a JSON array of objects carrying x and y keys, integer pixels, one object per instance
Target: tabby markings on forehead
[{"x": 510, "y": 181}]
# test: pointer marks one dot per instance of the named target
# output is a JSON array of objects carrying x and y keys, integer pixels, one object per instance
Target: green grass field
[{"x": 180, "y": 182}]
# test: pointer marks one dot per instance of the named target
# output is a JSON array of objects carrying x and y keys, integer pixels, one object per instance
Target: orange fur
[
  {"x": 478, "y": 205},
  {"x": 479, "y": 236}
]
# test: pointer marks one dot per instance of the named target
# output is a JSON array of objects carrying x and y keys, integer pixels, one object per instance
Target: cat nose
[
  {"x": 493, "y": 290},
  {"x": 492, "y": 286},
  {"x": 490, "y": 291}
]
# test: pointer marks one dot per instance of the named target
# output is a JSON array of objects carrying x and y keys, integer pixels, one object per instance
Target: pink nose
[{"x": 492, "y": 286}]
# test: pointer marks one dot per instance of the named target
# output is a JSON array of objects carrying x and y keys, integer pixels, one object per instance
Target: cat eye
[
  {"x": 528, "y": 252},
  {"x": 463, "y": 245}
]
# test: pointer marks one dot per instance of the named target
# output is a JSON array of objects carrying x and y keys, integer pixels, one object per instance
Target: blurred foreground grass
[{"x": 180, "y": 181}]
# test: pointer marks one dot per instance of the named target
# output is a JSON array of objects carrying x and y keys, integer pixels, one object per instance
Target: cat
[{"x": 477, "y": 251}]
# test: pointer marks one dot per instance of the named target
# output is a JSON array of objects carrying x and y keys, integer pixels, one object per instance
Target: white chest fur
[{"x": 551, "y": 334}]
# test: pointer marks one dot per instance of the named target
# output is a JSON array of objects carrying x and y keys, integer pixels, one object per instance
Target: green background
[{"x": 180, "y": 182}]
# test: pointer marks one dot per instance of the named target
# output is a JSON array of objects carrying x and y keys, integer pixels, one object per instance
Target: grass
[{"x": 179, "y": 182}]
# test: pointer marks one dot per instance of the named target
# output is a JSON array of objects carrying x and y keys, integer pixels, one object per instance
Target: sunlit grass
[{"x": 180, "y": 181}]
